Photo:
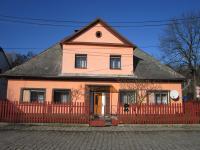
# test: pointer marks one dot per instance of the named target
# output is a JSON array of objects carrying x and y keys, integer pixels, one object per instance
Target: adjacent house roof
[{"x": 48, "y": 65}]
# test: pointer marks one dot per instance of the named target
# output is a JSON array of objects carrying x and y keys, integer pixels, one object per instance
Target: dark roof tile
[{"x": 47, "y": 63}]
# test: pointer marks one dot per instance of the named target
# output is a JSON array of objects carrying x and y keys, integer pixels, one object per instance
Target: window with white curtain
[
  {"x": 61, "y": 95},
  {"x": 127, "y": 97},
  {"x": 115, "y": 62},
  {"x": 33, "y": 95},
  {"x": 80, "y": 61},
  {"x": 159, "y": 97}
]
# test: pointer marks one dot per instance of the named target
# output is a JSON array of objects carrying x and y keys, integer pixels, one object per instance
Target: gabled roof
[
  {"x": 48, "y": 65},
  {"x": 92, "y": 24},
  {"x": 147, "y": 67}
]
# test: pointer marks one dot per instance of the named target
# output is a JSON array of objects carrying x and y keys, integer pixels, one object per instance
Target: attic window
[{"x": 98, "y": 34}]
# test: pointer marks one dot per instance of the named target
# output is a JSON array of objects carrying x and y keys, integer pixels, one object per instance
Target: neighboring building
[
  {"x": 4, "y": 66},
  {"x": 4, "y": 63},
  {"x": 100, "y": 64}
]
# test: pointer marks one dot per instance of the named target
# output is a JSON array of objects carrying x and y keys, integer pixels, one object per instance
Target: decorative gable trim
[
  {"x": 68, "y": 40},
  {"x": 97, "y": 44}
]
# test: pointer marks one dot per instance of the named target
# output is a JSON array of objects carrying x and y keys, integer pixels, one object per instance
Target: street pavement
[{"x": 99, "y": 139}]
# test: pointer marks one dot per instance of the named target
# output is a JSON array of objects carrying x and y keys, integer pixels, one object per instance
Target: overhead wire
[{"x": 51, "y": 22}]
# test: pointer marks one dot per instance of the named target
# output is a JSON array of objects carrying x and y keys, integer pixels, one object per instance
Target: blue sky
[{"x": 34, "y": 36}]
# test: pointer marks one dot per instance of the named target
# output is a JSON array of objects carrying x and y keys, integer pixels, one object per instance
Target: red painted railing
[
  {"x": 75, "y": 112},
  {"x": 16, "y": 112},
  {"x": 175, "y": 113}
]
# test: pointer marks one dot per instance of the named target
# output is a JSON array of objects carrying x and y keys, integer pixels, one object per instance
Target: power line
[
  {"x": 77, "y": 26},
  {"x": 107, "y": 68},
  {"x": 33, "y": 23},
  {"x": 85, "y": 48},
  {"x": 76, "y": 21},
  {"x": 98, "y": 54},
  {"x": 17, "y": 20},
  {"x": 42, "y": 19},
  {"x": 21, "y": 48},
  {"x": 68, "y": 49}
]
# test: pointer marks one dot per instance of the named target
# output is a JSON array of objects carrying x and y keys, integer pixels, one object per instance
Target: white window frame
[{"x": 83, "y": 63}]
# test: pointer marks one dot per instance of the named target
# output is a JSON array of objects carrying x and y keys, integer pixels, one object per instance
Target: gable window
[
  {"x": 98, "y": 34},
  {"x": 81, "y": 61},
  {"x": 127, "y": 97},
  {"x": 159, "y": 97},
  {"x": 33, "y": 95},
  {"x": 115, "y": 62},
  {"x": 61, "y": 95}
]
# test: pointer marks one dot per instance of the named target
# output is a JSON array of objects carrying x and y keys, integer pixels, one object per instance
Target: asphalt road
[{"x": 100, "y": 140}]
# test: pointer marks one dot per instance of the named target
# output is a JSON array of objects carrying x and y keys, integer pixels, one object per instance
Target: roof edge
[{"x": 95, "y": 78}]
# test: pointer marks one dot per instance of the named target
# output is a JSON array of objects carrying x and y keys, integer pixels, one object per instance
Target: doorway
[
  {"x": 99, "y": 100},
  {"x": 99, "y": 103}
]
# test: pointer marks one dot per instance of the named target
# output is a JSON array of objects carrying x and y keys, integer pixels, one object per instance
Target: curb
[{"x": 86, "y": 128}]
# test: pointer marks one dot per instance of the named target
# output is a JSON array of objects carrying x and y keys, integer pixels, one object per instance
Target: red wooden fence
[
  {"x": 17, "y": 112},
  {"x": 185, "y": 113},
  {"x": 75, "y": 112}
]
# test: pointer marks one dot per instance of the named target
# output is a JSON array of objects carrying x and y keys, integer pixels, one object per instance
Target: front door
[{"x": 98, "y": 104}]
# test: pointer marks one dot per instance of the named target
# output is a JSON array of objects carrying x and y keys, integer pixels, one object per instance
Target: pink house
[{"x": 98, "y": 66}]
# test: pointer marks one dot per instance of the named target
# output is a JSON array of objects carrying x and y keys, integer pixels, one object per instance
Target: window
[
  {"x": 0, "y": 71},
  {"x": 115, "y": 62},
  {"x": 61, "y": 96},
  {"x": 128, "y": 97},
  {"x": 80, "y": 61},
  {"x": 33, "y": 95},
  {"x": 159, "y": 97},
  {"x": 98, "y": 34}
]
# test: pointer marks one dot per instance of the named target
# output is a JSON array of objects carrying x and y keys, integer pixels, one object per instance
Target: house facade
[
  {"x": 4, "y": 66},
  {"x": 98, "y": 66}
]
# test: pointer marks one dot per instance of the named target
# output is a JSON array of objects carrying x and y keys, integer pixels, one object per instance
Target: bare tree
[
  {"x": 143, "y": 88},
  {"x": 77, "y": 93},
  {"x": 19, "y": 58},
  {"x": 180, "y": 45}
]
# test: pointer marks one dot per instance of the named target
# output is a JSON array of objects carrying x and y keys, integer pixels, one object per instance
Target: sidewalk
[{"x": 85, "y": 127}]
